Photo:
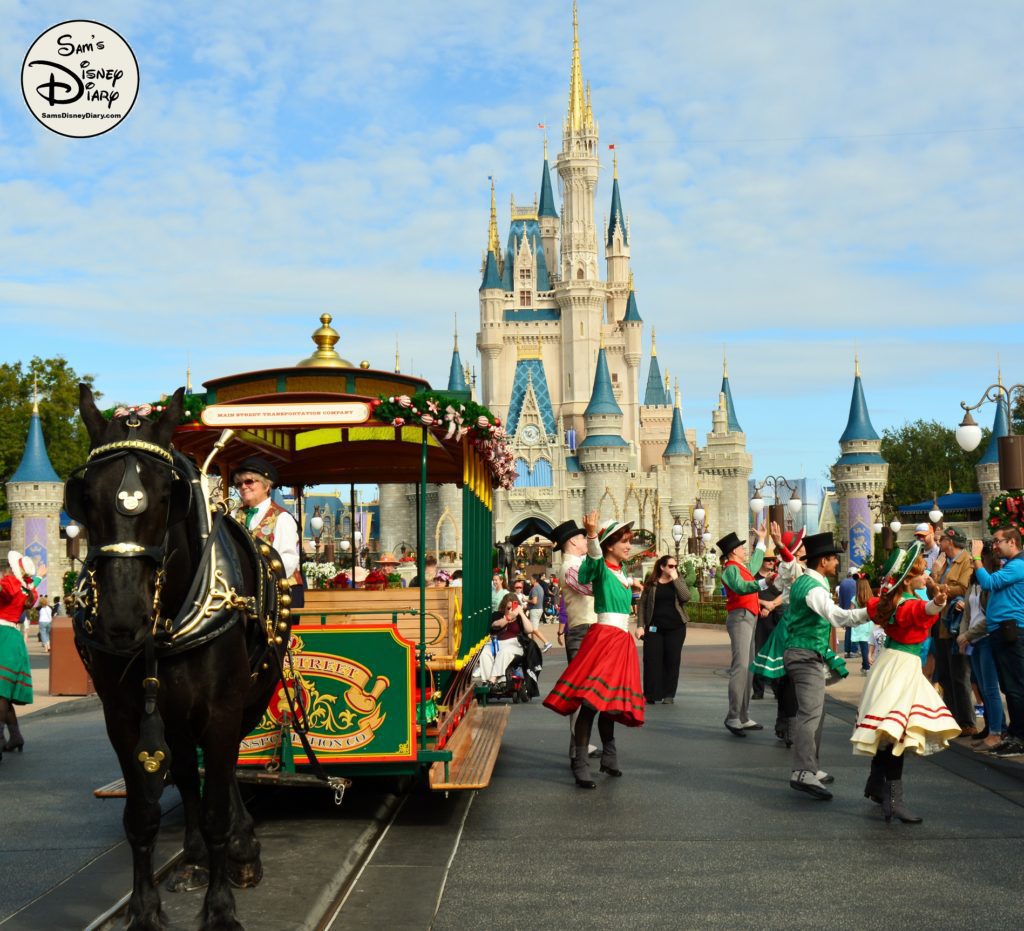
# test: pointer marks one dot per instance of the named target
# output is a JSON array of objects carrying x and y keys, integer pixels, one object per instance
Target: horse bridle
[{"x": 131, "y": 501}]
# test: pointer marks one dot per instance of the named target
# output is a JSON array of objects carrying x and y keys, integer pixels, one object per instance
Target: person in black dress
[{"x": 661, "y": 623}]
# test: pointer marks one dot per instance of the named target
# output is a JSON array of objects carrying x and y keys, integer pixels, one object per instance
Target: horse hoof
[
  {"x": 188, "y": 878},
  {"x": 155, "y": 922},
  {"x": 245, "y": 875}
]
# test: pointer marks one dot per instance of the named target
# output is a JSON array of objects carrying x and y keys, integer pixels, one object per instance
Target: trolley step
[
  {"x": 113, "y": 789},
  {"x": 474, "y": 747}
]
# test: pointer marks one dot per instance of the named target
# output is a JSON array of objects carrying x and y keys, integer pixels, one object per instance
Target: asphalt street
[{"x": 703, "y": 831}]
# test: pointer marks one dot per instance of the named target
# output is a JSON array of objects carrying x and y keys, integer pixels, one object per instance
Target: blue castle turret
[
  {"x": 457, "y": 374},
  {"x": 35, "y": 465},
  {"x": 604, "y": 454},
  {"x": 733, "y": 425},
  {"x": 677, "y": 444},
  {"x": 987, "y": 468}
]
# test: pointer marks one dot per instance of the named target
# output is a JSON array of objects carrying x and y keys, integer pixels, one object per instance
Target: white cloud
[{"x": 803, "y": 180}]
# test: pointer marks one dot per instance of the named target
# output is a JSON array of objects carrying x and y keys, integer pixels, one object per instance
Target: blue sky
[{"x": 804, "y": 181}]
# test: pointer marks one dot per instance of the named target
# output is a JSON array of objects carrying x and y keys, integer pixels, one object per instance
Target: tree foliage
[
  {"x": 924, "y": 458},
  {"x": 66, "y": 440}
]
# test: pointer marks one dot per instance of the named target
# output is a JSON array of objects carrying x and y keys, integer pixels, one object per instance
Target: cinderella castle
[{"x": 561, "y": 355}]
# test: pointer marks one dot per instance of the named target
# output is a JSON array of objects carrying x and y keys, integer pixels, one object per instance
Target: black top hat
[
  {"x": 258, "y": 466},
  {"x": 729, "y": 543},
  {"x": 820, "y": 544},
  {"x": 564, "y": 532}
]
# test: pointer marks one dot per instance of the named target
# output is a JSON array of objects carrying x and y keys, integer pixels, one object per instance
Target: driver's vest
[{"x": 264, "y": 530}]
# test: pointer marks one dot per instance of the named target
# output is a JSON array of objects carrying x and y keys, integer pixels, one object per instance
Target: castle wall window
[
  {"x": 524, "y": 298},
  {"x": 538, "y": 477},
  {"x": 524, "y": 275}
]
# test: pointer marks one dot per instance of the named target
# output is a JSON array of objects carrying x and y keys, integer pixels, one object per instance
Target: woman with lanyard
[
  {"x": 604, "y": 676},
  {"x": 661, "y": 623},
  {"x": 900, "y": 709},
  {"x": 18, "y": 587}
]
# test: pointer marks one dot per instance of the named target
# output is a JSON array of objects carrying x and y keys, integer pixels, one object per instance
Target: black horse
[{"x": 182, "y": 620}]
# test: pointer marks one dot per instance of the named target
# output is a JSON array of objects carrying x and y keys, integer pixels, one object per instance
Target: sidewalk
[{"x": 43, "y": 702}]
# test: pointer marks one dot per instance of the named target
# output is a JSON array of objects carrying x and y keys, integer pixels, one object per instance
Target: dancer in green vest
[{"x": 812, "y": 613}]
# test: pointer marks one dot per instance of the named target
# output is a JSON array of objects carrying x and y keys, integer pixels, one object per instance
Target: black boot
[
  {"x": 581, "y": 768},
  {"x": 874, "y": 788},
  {"x": 610, "y": 759},
  {"x": 897, "y": 806}
]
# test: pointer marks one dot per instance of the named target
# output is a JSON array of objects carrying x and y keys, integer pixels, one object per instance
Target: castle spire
[
  {"x": 457, "y": 374},
  {"x": 655, "y": 395},
  {"x": 493, "y": 244},
  {"x": 397, "y": 369},
  {"x": 1000, "y": 427},
  {"x": 616, "y": 217},
  {"x": 858, "y": 425},
  {"x": 546, "y": 208},
  {"x": 35, "y": 465},
  {"x": 602, "y": 398},
  {"x": 677, "y": 445},
  {"x": 730, "y": 408},
  {"x": 577, "y": 102}
]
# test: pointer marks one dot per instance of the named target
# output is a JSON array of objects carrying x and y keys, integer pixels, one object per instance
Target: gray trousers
[
  {"x": 740, "y": 625},
  {"x": 573, "y": 638},
  {"x": 807, "y": 671}
]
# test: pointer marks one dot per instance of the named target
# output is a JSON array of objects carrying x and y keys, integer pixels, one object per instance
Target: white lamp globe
[
  {"x": 878, "y": 528},
  {"x": 706, "y": 537},
  {"x": 757, "y": 504},
  {"x": 894, "y": 526},
  {"x": 795, "y": 504},
  {"x": 72, "y": 530},
  {"x": 699, "y": 514},
  {"x": 345, "y": 546},
  {"x": 316, "y": 524},
  {"x": 935, "y": 515},
  {"x": 677, "y": 532},
  {"x": 968, "y": 433}
]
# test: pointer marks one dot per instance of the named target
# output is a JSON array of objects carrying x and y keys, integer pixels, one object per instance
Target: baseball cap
[{"x": 922, "y": 529}]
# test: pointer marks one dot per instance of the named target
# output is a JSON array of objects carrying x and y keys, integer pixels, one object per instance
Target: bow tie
[{"x": 250, "y": 513}]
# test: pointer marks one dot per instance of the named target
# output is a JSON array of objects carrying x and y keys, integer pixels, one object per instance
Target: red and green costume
[{"x": 605, "y": 673}]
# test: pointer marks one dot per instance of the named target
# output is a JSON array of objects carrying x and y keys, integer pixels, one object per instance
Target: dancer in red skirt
[
  {"x": 900, "y": 710},
  {"x": 604, "y": 676}
]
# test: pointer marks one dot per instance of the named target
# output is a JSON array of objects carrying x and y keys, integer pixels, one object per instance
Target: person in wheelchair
[{"x": 511, "y": 643}]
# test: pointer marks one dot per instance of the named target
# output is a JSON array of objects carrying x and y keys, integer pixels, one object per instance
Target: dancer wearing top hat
[
  {"x": 900, "y": 709},
  {"x": 18, "y": 586},
  {"x": 265, "y": 519},
  {"x": 809, "y": 621},
  {"x": 571, "y": 540},
  {"x": 604, "y": 676},
  {"x": 742, "y": 608}
]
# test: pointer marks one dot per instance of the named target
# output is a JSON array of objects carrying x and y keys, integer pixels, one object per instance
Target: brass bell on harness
[
  {"x": 278, "y": 640},
  {"x": 277, "y": 565},
  {"x": 285, "y": 599},
  {"x": 283, "y": 626},
  {"x": 284, "y": 612},
  {"x": 284, "y": 585},
  {"x": 264, "y": 549}
]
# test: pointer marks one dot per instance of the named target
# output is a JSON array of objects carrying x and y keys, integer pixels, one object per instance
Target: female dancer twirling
[
  {"x": 900, "y": 710},
  {"x": 604, "y": 676}
]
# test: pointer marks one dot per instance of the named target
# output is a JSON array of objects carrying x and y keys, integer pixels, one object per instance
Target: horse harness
[{"x": 212, "y": 606}]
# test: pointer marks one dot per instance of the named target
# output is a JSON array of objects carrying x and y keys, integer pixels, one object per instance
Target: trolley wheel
[
  {"x": 523, "y": 695},
  {"x": 515, "y": 698}
]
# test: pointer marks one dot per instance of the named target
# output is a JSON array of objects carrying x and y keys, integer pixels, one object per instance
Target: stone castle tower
[
  {"x": 987, "y": 469},
  {"x": 860, "y": 475},
  {"x": 561, "y": 352},
  {"x": 35, "y": 495}
]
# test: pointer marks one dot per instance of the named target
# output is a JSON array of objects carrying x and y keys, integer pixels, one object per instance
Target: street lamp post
[
  {"x": 74, "y": 548},
  {"x": 316, "y": 524},
  {"x": 775, "y": 481},
  {"x": 1010, "y": 447},
  {"x": 677, "y": 534}
]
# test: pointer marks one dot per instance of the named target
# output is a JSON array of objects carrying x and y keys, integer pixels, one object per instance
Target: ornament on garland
[{"x": 1007, "y": 511}]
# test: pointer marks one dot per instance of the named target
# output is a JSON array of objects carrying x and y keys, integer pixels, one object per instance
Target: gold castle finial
[
  {"x": 577, "y": 119},
  {"x": 492, "y": 229},
  {"x": 397, "y": 369},
  {"x": 654, "y": 342},
  {"x": 678, "y": 404},
  {"x": 615, "y": 158},
  {"x": 725, "y": 366},
  {"x": 456, "y": 348},
  {"x": 35, "y": 395},
  {"x": 631, "y": 280},
  {"x": 856, "y": 365},
  {"x": 545, "y": 142},
  {"x": 325, "y": 356},
  {"x": 668, "y": 382},
  {"x": 949, "y": 490}
]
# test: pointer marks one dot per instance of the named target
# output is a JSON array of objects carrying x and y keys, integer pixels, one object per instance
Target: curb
[{"x": 71, "y": 706}]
